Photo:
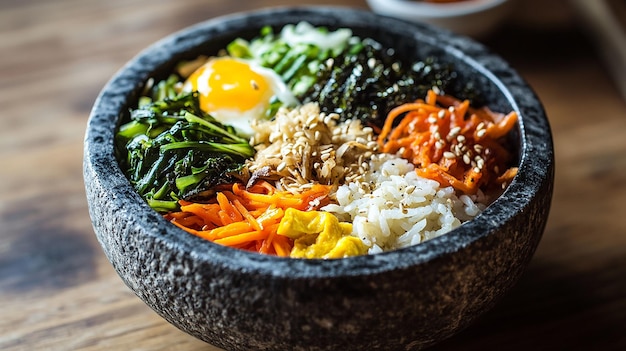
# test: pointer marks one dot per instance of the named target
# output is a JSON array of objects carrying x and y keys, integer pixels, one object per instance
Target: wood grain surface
[{"x": 58, "y": 291}]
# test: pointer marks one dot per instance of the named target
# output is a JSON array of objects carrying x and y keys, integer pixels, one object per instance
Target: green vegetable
[
  {"x": 297, "y": 62},
  {"x": 171, "y": 149}
]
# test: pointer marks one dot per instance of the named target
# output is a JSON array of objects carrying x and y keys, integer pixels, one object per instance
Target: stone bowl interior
[{"x": 404, "y": 299}]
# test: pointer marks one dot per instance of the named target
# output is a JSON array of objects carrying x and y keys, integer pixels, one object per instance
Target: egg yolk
[{"x": 225, "y": 83}]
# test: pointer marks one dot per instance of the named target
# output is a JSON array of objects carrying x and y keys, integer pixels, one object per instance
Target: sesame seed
[
  {"x": 449, "y": 155},
  {"x": 453, "y": 133},
  {"x": 466, "y": 159},
  {"x": 371, "y": 62},
  {"x": 481, "y": 133},
  {"x": 457, "y": 150}
]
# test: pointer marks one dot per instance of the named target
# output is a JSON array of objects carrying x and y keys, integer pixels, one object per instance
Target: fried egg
[{"x": 236, "y": 91}]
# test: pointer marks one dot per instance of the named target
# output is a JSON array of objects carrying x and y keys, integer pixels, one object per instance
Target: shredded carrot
[
  {"x": 246, "y": 214},
  {"x": 247, "y": 218},
  {"x": 451, "y": 142},
  {"x": 228, "y": 208}
]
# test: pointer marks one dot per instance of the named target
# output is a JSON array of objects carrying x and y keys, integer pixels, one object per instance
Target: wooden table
[{"x": 58, "y": 291}]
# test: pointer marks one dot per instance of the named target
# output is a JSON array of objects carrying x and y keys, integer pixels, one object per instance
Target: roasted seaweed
[{"x": 368, "y": 84}]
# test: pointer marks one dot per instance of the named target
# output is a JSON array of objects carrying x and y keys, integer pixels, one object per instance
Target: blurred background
[{"x": 58, "y": 291}]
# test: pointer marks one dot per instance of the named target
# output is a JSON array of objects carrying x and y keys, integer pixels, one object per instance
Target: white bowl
[{"x": 474, "y": 18}]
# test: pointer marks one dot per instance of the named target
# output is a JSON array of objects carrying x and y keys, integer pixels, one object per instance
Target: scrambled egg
[{"x": 319, "y": 234}]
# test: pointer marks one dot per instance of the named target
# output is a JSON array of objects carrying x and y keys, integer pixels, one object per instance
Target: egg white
[{"x": 241, "y": 119}]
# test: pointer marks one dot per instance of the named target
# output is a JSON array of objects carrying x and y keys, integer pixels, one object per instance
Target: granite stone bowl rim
[{"x": 107, "y": 111}]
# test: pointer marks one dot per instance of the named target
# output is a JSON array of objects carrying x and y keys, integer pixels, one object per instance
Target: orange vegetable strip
[
  {"x": 393, "y": 114},
  {"x": 500, "y": 129},
  {"x": 266, "y": 245},
  {"x": 397, "y": 131},
  {"x": 242, "y": 238},
  {"x": 203, "y": 234},
  {"x": 230, "y": 195},
  {"x": 262, "y": 198},
  {"x": 460, "y": 111},
  {"x": 265, "y": 185},
  {"x": 397, "y": 111},
  {"x": 225, "y": 219},
  {"x": 253, "y": 222},
  {"x": 184, "y": 202},
  {"x": 191, "y": 221},
  {"x": 508, "y": 175},
  {"x": 208, "y": 212},
  {"x": 231, "y": 229},
  {"x": 444, "y": 138},
  {"x": 178, "y": 215},
  {"x": 431, "y": 97},
  {"x": 281, "y": 246},
  {"x": 271, "y": 216},
  {"x": 228, "y": 208}
]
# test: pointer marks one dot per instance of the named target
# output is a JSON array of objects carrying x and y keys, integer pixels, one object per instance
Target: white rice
[{"x": 391, "y": 207}]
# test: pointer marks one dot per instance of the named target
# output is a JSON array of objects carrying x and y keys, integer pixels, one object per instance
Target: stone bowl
[{"x": 407, "y": 299}]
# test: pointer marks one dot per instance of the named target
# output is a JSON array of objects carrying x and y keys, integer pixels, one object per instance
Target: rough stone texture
[{"x": 402, "y": 300}]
